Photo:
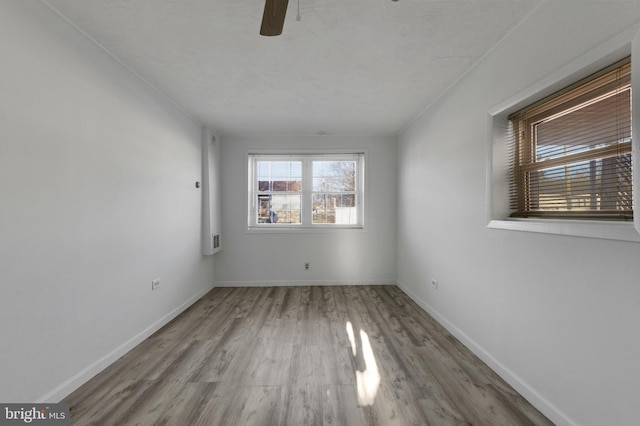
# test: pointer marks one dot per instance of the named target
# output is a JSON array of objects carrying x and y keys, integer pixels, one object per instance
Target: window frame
[
  {"x": 306, "y": 193},
  {"x": 497, "y": 191}
]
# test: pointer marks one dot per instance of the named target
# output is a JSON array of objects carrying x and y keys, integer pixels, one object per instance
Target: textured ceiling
[{"x": 348, "y": 66}]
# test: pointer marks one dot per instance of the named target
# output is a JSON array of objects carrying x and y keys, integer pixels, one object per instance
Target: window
[
  {"x": 305, "y": 191},
  {"x": 572, "y": 151}
]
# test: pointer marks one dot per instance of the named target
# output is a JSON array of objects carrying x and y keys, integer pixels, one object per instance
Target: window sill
[
  {"x": 301, "y": 229},
  {"x": 620, "y": 231}
]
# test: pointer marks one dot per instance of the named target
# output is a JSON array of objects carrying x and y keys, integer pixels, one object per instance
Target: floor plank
[{"x": 353, "y": 355}]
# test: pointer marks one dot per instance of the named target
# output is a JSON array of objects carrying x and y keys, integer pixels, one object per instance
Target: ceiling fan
[{"x": 273, "y": 17}]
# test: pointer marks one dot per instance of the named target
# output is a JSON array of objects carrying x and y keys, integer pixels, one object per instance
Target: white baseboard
[
  {"x": 530, "y": 394},
  {"x": 74, "y": 382},
  {"x": 294, "y": 283}
]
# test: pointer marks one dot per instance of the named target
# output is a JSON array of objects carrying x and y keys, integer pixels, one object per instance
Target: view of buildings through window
[
  {"x": 316, "y": 191},
  {"x": 279, "y": 191}
]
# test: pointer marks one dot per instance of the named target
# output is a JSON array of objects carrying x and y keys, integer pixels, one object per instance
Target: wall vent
[{"x": 216, "y": 241}]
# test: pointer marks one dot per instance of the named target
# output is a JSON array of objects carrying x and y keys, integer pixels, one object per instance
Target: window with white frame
[{"x": 305, "y": 191}]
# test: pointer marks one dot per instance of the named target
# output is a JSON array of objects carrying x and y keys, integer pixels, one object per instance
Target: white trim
[
  {"x": 621, "y": 231},
  {"x": 84, "y": 375},
  {"x": 605, "y": 54},
  {"x": 635, "y": 123},
  {"x": 300, "y": 229},
  {"x": 523, "y": 388},
  {"x": 304, "y": 283}
]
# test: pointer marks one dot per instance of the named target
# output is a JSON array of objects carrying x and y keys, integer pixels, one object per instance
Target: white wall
[
  {"x": 336, "y": 257},
  {"x": 97, "y": 198},
  {"x": 566, "y": 338}
]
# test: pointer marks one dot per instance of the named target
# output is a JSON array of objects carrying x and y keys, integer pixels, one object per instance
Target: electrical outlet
[
  {"x": 155, "y": 284},
  {"x": 306, "y": 266},
  {"x": 434, "y": 284}
]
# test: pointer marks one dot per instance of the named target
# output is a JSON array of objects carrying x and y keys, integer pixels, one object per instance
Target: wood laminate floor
[{"x": 365, "y": 355}]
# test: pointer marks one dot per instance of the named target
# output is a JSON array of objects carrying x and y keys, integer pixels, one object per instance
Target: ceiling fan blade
[{"x": 273, "y": 18}]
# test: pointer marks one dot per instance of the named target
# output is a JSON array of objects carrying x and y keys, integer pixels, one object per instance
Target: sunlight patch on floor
[{"x": 367, "y": 381}]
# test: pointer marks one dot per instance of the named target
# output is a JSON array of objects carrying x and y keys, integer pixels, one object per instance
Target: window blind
[{"x": 571, "y": 152}]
